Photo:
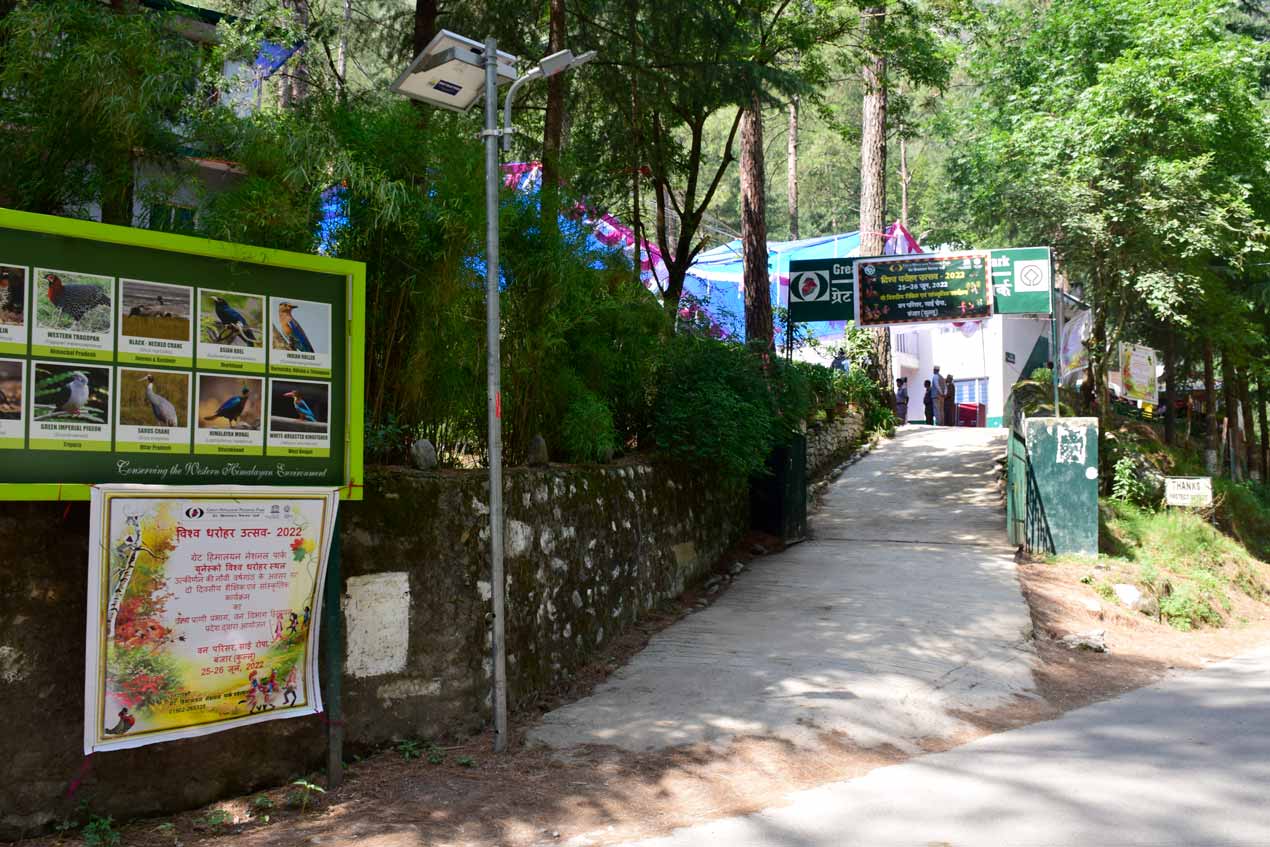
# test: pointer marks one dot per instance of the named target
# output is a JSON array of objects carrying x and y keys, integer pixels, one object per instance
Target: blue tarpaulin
[{"x": 715, "y": 279}]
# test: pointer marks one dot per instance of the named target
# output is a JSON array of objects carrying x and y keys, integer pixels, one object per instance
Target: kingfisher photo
[
  {"x": 75, "y": 302},
  {"x": 299, "y": 406},
  {"x": 153, "y": 398},
  {"x": 71, "y": 393},
  {"x": 229, "y": 402},
  {"x": 12, "y": 295},
  {"x": 234, "y": 320},
  {"x": 154, "y": 310}
]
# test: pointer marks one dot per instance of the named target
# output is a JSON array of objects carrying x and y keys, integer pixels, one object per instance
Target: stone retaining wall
[
  {"x": 588, "y": 550},
  {"x": 830, "y": 442}
]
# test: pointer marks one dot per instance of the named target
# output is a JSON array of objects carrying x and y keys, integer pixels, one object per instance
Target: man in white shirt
[{"x": 937, "y": 391}]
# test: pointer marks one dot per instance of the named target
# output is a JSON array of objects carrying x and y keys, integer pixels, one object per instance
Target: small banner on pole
[
  {"x": 203, "y": 609},
  {"x": 1138, "y": 373},
  {"x": 821, "y": 290},
  {"x": 925, "y": 288}
]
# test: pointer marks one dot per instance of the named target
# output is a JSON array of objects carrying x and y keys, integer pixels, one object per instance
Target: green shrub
[
  {"x": 587, "y": 430},
  {"x": 714, "y": 407}
]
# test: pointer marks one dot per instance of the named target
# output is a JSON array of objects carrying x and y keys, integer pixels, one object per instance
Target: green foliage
[
  {"x": 215, "y": 820},
  {"x": 1127, "y": 484},
  {"x": 1189, "y": 566},
  {"x": 714, "y": 408},
  {"x": 587, "y": 430},
  {"x": 869, "y": 397},
  {"x": 302, "y": 795},
  {"x": 90, "y": 89},
  {"x": 101, "y": 832},
  {"x": 410, "y": 748},
  {"x": 1043, "y": 376},
  {"x": 465, "y": 761}
]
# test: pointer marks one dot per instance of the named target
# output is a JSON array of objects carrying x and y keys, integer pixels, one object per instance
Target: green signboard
[
  {"x": 1021, "y": 281},
  {"x": 922, "y": 288},
  {"x": 134, "y": 356},
  {"x": 821, "y": 290}
]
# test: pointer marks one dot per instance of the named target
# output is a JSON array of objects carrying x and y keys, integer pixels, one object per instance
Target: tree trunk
[
  {"x": 1262, "y": 397},
  {"x": 791, "y": 167},
  {"x": 1210, "y": 411},
  {"x": 1170, "y": 387},
  {"x": 905, "y": 178},
  {"x": 117, "y": 208},
  {"x": 342, "y": 58},
  {"x": 425, "y": 24},
  {"x": 873, "y": 174},
  {"x": 758, "y": 292},
  {"x": 1252, "y": 464},
  {"x": 1234, "y": 432},
  {"x": 553, "y": 122},
  {"x": 299, "y": 78}
]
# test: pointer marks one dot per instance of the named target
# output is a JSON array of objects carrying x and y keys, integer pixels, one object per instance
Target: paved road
[
  {"x": 902, "y": 608},
  {"x": 1183, "y": 762}
]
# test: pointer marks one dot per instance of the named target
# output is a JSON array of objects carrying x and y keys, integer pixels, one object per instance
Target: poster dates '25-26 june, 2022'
[{"x": 203, "y": 609}]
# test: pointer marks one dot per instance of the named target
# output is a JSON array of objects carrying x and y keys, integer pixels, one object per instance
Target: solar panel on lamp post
[{"x": 448, "y": 73}]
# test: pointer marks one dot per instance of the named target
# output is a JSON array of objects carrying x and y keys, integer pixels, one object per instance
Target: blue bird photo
[
  {"x": 293, "y": 334},
  {"x": 233, "y": 323},
  {"x": 233, "y": 408},
  {"x": 302, "y": 410}
]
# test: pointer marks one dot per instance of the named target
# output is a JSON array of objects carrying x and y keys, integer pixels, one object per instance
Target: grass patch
[{"x": 1189, "y": 566}]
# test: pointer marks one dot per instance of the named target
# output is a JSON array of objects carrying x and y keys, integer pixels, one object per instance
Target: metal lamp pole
[{"x": 494, "y": 398}]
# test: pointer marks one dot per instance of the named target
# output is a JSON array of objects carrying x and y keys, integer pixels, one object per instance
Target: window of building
[
  {"x": 972, "y": 390},
  {"x": 167, "y": 218}
]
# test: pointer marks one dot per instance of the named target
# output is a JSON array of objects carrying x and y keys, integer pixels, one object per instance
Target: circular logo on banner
[
  {"x": 809, "y": 286},
  {"x": 194, "y": 512}
]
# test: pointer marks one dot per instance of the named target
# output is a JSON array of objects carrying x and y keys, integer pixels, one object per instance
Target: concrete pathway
[
  {"x": 902, "y": 608},
  {"x": 1183, "y": 762}
]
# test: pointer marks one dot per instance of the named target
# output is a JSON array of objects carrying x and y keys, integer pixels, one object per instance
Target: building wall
[{"x": 588, "y": 550}]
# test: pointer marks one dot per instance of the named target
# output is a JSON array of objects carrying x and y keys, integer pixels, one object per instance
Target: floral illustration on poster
[{"x": 203, "y": 609}]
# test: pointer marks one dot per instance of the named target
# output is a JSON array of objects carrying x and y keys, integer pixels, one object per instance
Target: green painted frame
[{"x": 354, "y": 272}]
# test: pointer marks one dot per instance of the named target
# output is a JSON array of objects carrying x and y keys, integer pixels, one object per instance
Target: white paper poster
[{"x": 203, "y": 609}]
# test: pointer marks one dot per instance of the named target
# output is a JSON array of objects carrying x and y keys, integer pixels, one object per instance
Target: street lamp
[{"x": 447, "y": 73}]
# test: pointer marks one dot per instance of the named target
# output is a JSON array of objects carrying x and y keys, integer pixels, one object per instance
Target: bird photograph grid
[
  {"x": 153, "y": 398},
  {"x": 301, "y": 326},
  {"x": 229, "y": 402},
  {"x": 154, "y": 310},
  {"x": 10, "y": 390},
  {"x": 296, "y": 406},
  {"x": 12, "y": 295},
  {"x": 73, "y": 301},
  {"x": 71, "y": 393},
  {"x": 231, "y": 319}
]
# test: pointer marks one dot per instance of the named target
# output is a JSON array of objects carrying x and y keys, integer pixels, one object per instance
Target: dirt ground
[{"x": 599, "y": 796}]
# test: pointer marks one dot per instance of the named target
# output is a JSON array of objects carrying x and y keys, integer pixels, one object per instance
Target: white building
[{"x": 985, "y": 359}]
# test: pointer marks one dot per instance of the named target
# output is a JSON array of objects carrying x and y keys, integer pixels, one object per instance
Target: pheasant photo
[{"x": 78, "y": 302}]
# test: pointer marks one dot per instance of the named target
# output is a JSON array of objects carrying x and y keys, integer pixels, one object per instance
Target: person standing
[
  {"x": 901, "y": 399},
  {"x": 937, "y": 396},
  {"x": 950, "y": 401},
  {"x": 928, "y": 403}
]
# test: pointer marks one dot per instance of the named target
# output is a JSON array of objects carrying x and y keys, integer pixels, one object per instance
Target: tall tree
[
  {"x": 791, "y": 169},
  {"x": 758, "y": 295},
  {"x": 553, "y": 120},
  {"x": 873, "y": 166}
]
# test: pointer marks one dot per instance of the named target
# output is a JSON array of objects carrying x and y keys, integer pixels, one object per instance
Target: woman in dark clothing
[
  {"x": 928, "y": 404},
  {"x": 950, "y": 402}
]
